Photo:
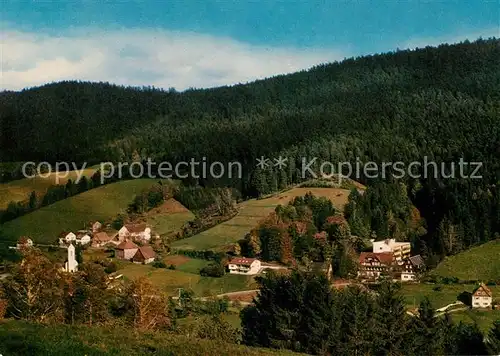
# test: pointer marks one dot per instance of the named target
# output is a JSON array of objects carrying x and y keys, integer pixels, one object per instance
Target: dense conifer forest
[{"x": 441, "y": 103}]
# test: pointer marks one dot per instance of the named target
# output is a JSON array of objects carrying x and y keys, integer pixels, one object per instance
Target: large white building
[
  {"x": 244, "y": 265},
  {"x": 400, "y": 250}
]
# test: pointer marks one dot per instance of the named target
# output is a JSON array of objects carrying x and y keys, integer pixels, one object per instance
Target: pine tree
[
  {"x": 493, "y": 339},
  {"x": 428, "y": 331},
  {"x": 390, "y": 329}
]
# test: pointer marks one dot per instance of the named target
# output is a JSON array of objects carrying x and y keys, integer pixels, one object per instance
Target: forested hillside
[{"x": 443, "y": 103}]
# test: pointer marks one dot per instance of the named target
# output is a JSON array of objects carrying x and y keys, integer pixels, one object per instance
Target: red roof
[
  {"x": 242, "y": 261},
  {"x": 483, "y": 288},
  {"x": 102, "y": 236},
  {"x": 147, "y": 252},
  {"x": 385, "y": 258},
  {"x": 135, "y": 228},
  {"x": 127, "y": 245}
]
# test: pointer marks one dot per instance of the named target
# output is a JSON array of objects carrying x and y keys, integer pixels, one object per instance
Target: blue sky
[{"x": 205, "y": 43}]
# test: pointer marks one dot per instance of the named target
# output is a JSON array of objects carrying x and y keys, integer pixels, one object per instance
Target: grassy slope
[
  {"x": 483, "y": 318},
  {"x": 478, "y": 263},
  {"x": 20, "y": 338},
  {"x": 448, "y": 294},
  {"x": 169, "y": 217},
  {"x": 188, "y": 277},
  {"x": 19, "y": 190},
  {"x": 103, "y": 203},
  {"x": 250, "y": 214}
]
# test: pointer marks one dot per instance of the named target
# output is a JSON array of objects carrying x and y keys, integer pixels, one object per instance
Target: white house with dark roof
[
  {"x": 244, "y": 265},
  {"x": 482, "y": 297}
]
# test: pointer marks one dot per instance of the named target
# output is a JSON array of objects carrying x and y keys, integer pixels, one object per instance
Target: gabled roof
[
  {"x": 385, "y": 258},
  {"x": 135, "y": 228},
  {"x": 127, "y": 245},
  {"x": 146, "y": 252},
  {"x": 484, "y": 288},
  {"x": 245, "y": 261},
  {"x": 65, "y": 233},
  {"x": 417, "y": 261},
  {"x": 101, "y": 236}
]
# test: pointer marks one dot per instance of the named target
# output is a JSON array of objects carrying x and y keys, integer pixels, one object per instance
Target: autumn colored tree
[
  {"x": 149, "y": 306},
  {"x": 34, "y": 290}
]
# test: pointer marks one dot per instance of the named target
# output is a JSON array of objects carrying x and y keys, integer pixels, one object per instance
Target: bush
[
  {"x": 171, "y": 267},
  {"x": 437, "y": 288},
  {"x": 450, "y": 280},
  {"x": 159, "y": 264},
  {"x": 213, "y": 270},
  {"x": 111, "y": 267}
]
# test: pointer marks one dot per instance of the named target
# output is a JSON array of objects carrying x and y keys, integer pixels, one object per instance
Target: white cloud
[{"x": 145, "y": 57}]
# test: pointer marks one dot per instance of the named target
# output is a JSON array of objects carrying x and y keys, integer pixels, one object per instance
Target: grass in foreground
[
  {"x": 478, "y": 263},
  {"x": 21, "y": 338},
  {"x": 103, "y": 203},
  {"x": 18, "y": 190},
  {"x": 251, "y": 213}
]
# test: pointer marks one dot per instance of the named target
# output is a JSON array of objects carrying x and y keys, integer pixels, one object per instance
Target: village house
[
  {"x": 67, "y": 237},
  {"x": 95, "y": 226},
  {"x": 82, "y": 238},
  {"x": 400, "y": 250},
  {"x": 410, "y": 267},
  {"x": 144, "y": 255},
  {"x": 100, "y": 239},
  {"x": 24, "y": 242},
  {"x": 126, "y": 250},
  {"x": 244, "y": 265},
  {"x": 135, "y": 231},
  {"x": 373, "y": 265},
  {"x": 482, "y": 297}
]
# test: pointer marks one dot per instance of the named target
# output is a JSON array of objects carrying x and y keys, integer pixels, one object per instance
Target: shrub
[
  {"x": 111, "y": 267},
  {"x": 171, "y": 267},
  {"x": 213, "y": 270},
  {"x": 437, "y": 288},
  {"x": 159, "y": 264}
]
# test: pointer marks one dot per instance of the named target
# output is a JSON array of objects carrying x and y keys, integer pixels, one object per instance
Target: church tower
[{"x": 71, "y": 265}]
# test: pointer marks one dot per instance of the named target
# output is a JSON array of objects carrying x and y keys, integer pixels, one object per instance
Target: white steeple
[{"x": 71, "y": 265}]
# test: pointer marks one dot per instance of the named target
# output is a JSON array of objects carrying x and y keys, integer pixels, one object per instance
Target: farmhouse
[
  {"x": 126, "y": 250},
  {"x": 373, "y": 265},
  {"x": 482, "y": 297},
  {"x": 410, "y": 267},
  {"x": 83, "y": 238},
  {"x": 95, "y": 226},
  {"x": 244, "y": 265},
  {"x": 144, "y": 255},
  {"x": 100, "y": 239},
  {"x": 135, "y": 231},
  {"x": 401, "y": 250},
  {"x": 67, "y": 237}
]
